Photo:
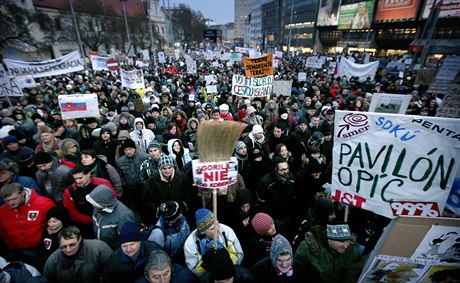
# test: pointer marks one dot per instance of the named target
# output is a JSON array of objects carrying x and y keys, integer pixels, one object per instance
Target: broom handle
[{"x": 214, "y": 208}]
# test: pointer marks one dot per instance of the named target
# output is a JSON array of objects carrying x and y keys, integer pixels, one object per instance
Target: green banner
[{"x": 356, "y": 16}]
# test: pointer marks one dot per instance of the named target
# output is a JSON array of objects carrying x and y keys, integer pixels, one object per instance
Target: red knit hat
[
  {"x": 241, "y": 114},
  {"x": 261, "y": 223}
]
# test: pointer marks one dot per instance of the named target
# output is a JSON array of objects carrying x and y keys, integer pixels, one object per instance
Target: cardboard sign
[
  {"x": 99, "y": 63},
  {"x": 450, "y": 106},
  {"x": 211, "y": 89},
  {"x": 252, "y": 87},
  {"x": 314, "y": 62},
  {"x": 389, "y": 103},
  {"x": 259, "y": 66},
  {"x": 449, "y": 68},
  {"x": 132, "y": 79},
  {"x": 282, "y": 87},
  {"x": 394, "y": 164},
  {"x": 161, "y": 57},
  {"x": 302, "y": 77},
  {"x": 212, "y": 175},
  {"x": 78, "y": 106}
]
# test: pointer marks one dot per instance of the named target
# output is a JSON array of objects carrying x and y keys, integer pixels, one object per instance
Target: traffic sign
[{"x": 112, "y": 64}]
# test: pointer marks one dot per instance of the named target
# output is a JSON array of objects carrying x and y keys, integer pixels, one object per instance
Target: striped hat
[{"x": 204, "y": 219}]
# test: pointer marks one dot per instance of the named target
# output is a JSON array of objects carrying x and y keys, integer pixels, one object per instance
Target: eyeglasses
[
  {"x": 72, "y": 245},
  {"x": 283, "y": 169}
]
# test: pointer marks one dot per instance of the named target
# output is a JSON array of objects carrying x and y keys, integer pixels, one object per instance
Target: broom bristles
[{"x": 215, "y": 140}]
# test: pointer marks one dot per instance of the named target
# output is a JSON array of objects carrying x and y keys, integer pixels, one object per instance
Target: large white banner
[
  {"x": 395, "y": 164},
  {"x": 350, "y": 69},
  {"x": 78, "y": 106},
  {"x": 132, "y": 79},
  {"x": 99, "y": 63},
  {"x": 69, "y": 63},
  {"x": 252, "y": 87}
]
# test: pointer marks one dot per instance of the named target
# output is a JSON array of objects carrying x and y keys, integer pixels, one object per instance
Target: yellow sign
[{"x": 258, "y": 66}]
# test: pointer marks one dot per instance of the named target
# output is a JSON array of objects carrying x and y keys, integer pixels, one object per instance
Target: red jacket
[
  {"x": 75, "y": 214},
  {"x": 22, "y": 227}
]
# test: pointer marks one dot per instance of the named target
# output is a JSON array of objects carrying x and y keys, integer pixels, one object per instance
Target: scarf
[
  {"x": 284, "y": 271},
  {"x": 282, "y": 178},
  {"x": 69, "y": 261}
]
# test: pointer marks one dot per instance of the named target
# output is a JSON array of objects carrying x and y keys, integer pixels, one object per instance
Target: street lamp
[
  {"x": 77, "y": 30},
  {"x": 126, "y": 24}
]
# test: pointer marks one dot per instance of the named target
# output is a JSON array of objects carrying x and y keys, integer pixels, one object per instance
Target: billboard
[
  {"x": 210, "y": 34},
  {"x": 328, "y": 13},
  {"x": 448, "y": 9},
  {"x": 356, "y": 16},
  {"x": 396, "y": 10}
]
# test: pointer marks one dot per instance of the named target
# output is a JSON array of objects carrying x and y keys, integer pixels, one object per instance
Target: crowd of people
[{"x": 112, "y": 198}]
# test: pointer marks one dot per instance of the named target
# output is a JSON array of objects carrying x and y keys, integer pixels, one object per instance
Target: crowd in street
[{"x": 112, "y": 198}]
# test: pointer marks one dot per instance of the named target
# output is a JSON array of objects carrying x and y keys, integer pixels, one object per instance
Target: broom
[{"x": 215, "y": 141}]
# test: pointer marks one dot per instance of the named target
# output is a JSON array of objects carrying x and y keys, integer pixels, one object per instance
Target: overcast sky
[{"x": 221, "y": 11}]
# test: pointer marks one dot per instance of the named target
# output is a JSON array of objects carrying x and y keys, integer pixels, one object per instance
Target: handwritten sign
[
  {"x": 215, "y": 174},
  {"x": 282, "y": 87},
  {"x": 450, "y": 106},
  {"x": 395, "y": 164},
  {"x": 252, "y": 87},
  {"x": 259, "y": 66}
]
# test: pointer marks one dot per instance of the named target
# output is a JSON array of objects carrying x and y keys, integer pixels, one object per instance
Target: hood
[
  {"x": 243, "y": 196},
  {"x": 189, "y": 122},
  {"x": 279, "y": 245},
  {"x": 66, "y": 144},
  {"x": 139, "y": 120},
  {"x": 124, "y": 134},
  {"x": 103, "y": 196},
  {"x": 170, "y": 144}
]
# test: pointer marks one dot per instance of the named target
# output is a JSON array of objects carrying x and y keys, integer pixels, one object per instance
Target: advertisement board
[
  {"x": 449, "y": 9},
  {"x": 396, "y": 10},
  {"x": 328, "y": 13},
  {"x": 356, "y": 15}
]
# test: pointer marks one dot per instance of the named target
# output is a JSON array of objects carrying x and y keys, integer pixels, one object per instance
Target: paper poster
[
  {"x": 281, "y": 87},
  {"x": 252, "y": 87},
  {"x": 161, "y": 57},
  {"x": 302, "y": 76},
  {"x": 441, "y": 243},
  {"x": 8, "y": 85},
  {"x": 363, "y": 71},
  {"x": 211, "y": 88},
  {"x": 132, "y": 79},
  {"x": 26, "y": 81},
  {"x": 215, "y": 174},
  {"x": 99, "y": 63},
  {"x": 258, "y": 66},
  {"x": 449, "y": 68},
  {"x": 314, "y": 62},
  {"x": 389, "y": 103},
  {"x": 209, "y": 79},
  {"x": 450, "y": 106},
  {"x": 394, "y": 164},
  {"x": 78, "y": 106}
]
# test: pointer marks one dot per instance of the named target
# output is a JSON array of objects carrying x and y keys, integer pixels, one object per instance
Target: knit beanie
[
  {"x": 68, "y": 143},
  {"x": 169, "y": 210},
  {"x": 42, "y": 157},
  {"x": 324, "y": 208},
  {"x": 338, "y": 232},
  {"x": 130, "y": 232},
  {"x": 111, "y": 126},
  {"x": 165, "y": 161},
  {"x": 241, "y": 114},
  {"x": 279, "y": 245},
  {"x": 129, "y": 143},
  {"x": 262, "y": 222},
  {"x": 239, "y": 145},
  {"x": 60, "y": 213},
  {"x": 257, "y": 129},
  {"x": 204, "y": 219},
  {"x": 221, "y": 265},
  {"x": 155, "y": 144},
  {"x": 9, "y": 139}
]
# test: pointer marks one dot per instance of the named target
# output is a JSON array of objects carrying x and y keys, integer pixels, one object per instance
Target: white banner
[
  {"x": 389, "y": 103},
  {"x": 215, "y": 174},
  {"x": 69, "y": 63},
  {"x": 350, "y": 69},
  {"x": 78, "y": 106},
  {"x": 282, "y": 87},
  {"x": 99, "y": 63},
  {"x": 394, "y": 164},
  {"x": 252, "y": 87},
  {"x": 314, "y": 62},
  {"x": 132, "y": 79}
]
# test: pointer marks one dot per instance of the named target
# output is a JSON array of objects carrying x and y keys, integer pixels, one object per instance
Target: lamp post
[
  {"x": 290, "y": 27},
  {"x": 126, "y": 25},
  {"x": 77, "y": 30}
]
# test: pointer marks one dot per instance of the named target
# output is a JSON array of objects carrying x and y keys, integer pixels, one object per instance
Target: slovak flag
[
  {"x": 336, "y": 70},
  {"x": 73, "y": 106}
]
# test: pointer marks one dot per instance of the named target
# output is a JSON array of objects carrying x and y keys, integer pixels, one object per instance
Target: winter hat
[
  {"x": 130, "y": 104},
  {"x": 19, "y": 135},
  {"x": 338, "y": 232},
  {"x": 60, "y": 213},
  {"x": 204, "y": 219},
  {"x": 303, "y": 120},
  {"x": 42, "y": 157},
  {"x": 257, "y": 129},
  {"x": 8, "y": 121},
  {"x": 124, "y": 109},
  {"x": 165, "y": 161},
  {"x": 25, "y": 159},
  {"x": 223, "y": 107},
  {"x": 104, "y": 130},
  {"x": 130, "y": 232},
  {"x": 251, "y": 110},
  {"x": 68, "y": 143},
  {"x": 241, "y": 114},
  {"x": 111, "y": 126},
  {"x": 323, "y": 209},
  {"x": 280, "y": 245},
  {"x": 239, "y": 145},
  {"x": 169, "y": 210},
  {"x": 155, "y": 144},
  {"x": 9, "y": 139},
  {"x": 243, "y": 196},
  {"x": 262, "y": 222},
  {"x": 129, "y": 143},
  {"x": 221, "y": 265}
]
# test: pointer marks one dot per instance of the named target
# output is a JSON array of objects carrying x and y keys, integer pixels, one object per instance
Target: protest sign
[
  {"x": 215, "y": 174},
  {"x": 8, "y": 85},
  {"x": 191, "y": 65},
  {"x": 279, "y": 54},
  {"x": 99, "y": 63},
  {"x": 145, "y": 54},
  {"x": 276, "y": 63},
  {"x": 302, "y": 77},
  {"x": 314, "y": 62},
  {"x": 394, "y": 164},
  {"x": 69, "y": 63},
  {"x": 78, "y": 106},
  {"x": 449, "y": 68},
  {"x": 425, "y": 76},
  {"x": 450, "y": 106},
  {"x": 211, "y": 88},
  {"x": 350, "y": 69},
  {"x": 132, "y": 79},
  {"x": 161, "y": 57},
  {"x": 236, "y": 57},
  {"x": 282, "y": 87},
  {"x": 252, "y": 87},
  {"x": 209, "y": 79},
  {"x": 389, "y": 103},
  {"x": 259, "y": 66},
  {"x": 26, "y": 81}
]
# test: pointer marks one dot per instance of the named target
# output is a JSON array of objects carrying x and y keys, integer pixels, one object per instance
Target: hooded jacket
[
  {"x": 69, "y": 159},
  {"x": 59, "y": 178},
  {"x": 110, "y": 216},
  {"x": 143, "y": 137},
  {"x": 21, "y": 228},
  {"x": 186, "y": 156},
  {"x": 106, "y": 148}
]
